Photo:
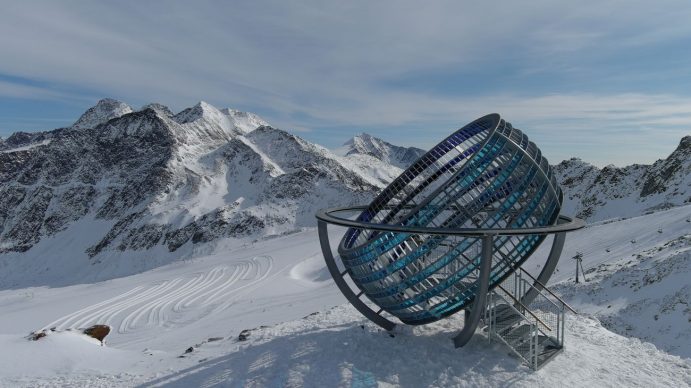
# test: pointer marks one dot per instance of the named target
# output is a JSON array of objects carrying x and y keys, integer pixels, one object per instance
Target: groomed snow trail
[{"x": 159, "y": 303}]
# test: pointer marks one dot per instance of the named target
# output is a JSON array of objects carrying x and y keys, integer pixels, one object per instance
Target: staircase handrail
[
  {"x": 548, "y": 290},
  {"x": 553, "y": 303},
  {"x": 524, "y": 308}
]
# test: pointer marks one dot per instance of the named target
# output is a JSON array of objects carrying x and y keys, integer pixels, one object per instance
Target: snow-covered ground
[
  {"x": 303, "y": 334},
  {"x": 646, "y": 295}
]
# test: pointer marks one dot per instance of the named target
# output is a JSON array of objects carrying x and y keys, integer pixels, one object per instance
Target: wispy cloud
[
  {"x": 19, "y": 90},
  {"x": 589, "y": 68}
]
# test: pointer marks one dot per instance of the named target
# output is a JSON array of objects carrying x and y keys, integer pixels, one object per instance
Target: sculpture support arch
[
  {"x": 325, "y": 217},
  {"x": 451, "y": 228},
  {"x": 337, "y": 276}
]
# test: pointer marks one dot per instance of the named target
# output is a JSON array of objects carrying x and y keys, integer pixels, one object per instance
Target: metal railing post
[
  {"x": 536, "y": 337},
  {"x": 559, "y": 325},
  {"x": 489, "y": 314},
  {"x": 563, "y": 323}
]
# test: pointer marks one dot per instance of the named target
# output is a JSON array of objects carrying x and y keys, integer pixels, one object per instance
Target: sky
[{"x": 606, "y": 81}]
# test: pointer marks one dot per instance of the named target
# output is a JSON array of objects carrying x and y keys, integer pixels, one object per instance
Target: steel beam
[
  {"x": 343, "y": 286},
  {"x": 547, "y": 270},
  {"x": 478, "y": 308}
]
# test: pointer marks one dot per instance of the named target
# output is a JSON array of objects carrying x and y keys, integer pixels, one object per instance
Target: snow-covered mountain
[
  {"x": 148, "y": 180},
  {"x": 105, "y": 110},
  {"x": 366, "y": 144},
  {"x": 91, "y": 218},
  {"x": 598, "y": 194},
  {"x": 645, "y": 295},
  {"x": 140, "y": 179},
  {"x": 591, "y": 193}
]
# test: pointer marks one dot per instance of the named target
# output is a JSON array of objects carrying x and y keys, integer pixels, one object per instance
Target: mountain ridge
[
  {"x": 172, "y": 179},
  {"x": 153, "y": 180},
  {"x": 597, "y": 194},
  {"x": 366, "y": 144}
]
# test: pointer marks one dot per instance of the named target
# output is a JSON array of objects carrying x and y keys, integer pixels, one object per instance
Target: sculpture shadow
[{"x": 350, "y": 355}]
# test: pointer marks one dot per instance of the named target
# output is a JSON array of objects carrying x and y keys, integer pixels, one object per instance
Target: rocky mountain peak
[
  {"x": 245, "y": 122},
  {"x": 674, "y": 171},
  {"x": 104, "y": 110},
  {"x": 596, "y": 193},
  {"x": 573, "y": 163},
  {"x": 208, "y": 123},
  {"x": 164, "y": 110},
  {"x": 364, "y": 138},
  {"x": 19, "y": 140},
  {"x": 684, "y": 147},
  {"x": 146, "y": 123},
  {"x": 149, "y": 178},
  {"x": 366, "y": 144},
  {"x": 202, "y": 110}
]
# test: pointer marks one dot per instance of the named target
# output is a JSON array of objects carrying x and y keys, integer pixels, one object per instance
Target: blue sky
[{"x": 607, "y": 81}]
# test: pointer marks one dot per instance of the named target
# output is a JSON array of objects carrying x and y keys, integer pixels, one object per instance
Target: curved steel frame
[
  {"x": 487, "y": 174},
  {"x": 327, "y": 216}
]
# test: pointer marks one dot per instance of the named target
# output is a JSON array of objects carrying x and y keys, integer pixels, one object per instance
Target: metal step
[
  {"x": 505, "y": 318},
  {"x": 524, "y": 331},
  {"x": 546, "y": 349},
  {"x": 508, "y": 318},
  {"x": 522, "y": 335}
]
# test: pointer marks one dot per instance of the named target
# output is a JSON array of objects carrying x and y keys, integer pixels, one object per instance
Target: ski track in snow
[{"x": 158, "y": 303}]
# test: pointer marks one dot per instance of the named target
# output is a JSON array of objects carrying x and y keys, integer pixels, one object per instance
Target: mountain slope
[
  {"x": 645, "y": 295},
  {"x": 597, "y": 194},
  {"x": 79, "y": 172},
  {"x": 155, "y": 179},
  {"x": 164, "y": 184},
  {"x": 365, "y": 144},
  {"x": 103, "y": 111}
]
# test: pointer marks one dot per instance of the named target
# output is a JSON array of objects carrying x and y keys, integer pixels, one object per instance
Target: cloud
[
  {"x": 19, "y": 90},
  {"x": 314, "y": 66}
]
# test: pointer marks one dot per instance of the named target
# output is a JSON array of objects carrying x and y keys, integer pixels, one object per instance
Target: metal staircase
[{"x": 527, "y": 317}]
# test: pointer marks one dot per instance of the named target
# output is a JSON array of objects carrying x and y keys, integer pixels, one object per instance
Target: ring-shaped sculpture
[{"x": 451, "y": 227}]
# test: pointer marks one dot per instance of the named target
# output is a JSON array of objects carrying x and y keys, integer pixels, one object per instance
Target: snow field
[
  {"x": 338, "y": 348},
  {"x": 279, "y": 289}
]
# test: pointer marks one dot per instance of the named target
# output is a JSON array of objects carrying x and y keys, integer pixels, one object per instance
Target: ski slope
[
  {"x": 157, "y": 304},
  {"x": 302, "y": 334}
]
